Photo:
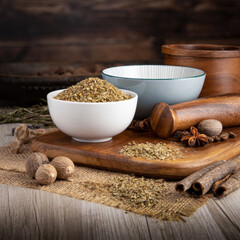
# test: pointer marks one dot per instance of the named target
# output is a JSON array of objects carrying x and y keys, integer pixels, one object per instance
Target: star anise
[
  {"x": 178, "y": 135},
  {"x": 195, "y": 138},
  {"x": 141, "y": 126}
]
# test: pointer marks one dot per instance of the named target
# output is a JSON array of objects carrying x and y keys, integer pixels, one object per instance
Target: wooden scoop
[{"x": 165, "y": 119}]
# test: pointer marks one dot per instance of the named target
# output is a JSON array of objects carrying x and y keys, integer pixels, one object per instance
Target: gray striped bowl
[{"x": 157, "y": 83}]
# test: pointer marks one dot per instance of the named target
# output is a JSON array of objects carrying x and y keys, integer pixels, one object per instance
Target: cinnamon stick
[
  {"x": 229, "y": 186},
  {"x": 187, "y": 182},
  {"x": 204, "y": 183},
  {"x": 218, "y": 183}
]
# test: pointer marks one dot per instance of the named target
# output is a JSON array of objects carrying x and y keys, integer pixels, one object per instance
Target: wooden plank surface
[
  {"x": 192, "y": 229},
  {"x": 106, "y": 155},
  {"x": 33, "y": 214},
  {"x": 24, "y": 19},
  {"x": 106, "y": 31}
]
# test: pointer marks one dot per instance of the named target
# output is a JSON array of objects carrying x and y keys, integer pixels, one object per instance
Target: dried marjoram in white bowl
[
  {"x": 93, "y": 110},
  {"x": 93, "y": 90}
]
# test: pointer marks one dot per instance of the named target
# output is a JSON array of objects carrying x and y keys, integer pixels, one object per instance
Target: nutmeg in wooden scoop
[{"x": 210, "y": 127}]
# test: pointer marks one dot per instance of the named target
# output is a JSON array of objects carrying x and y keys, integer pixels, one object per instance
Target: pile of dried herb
[
  {"x": 93, "y": 90},
  {"x": 37, "y": 115},
  {"x": 137, "y": 191},
  {"x": 150, "y": 151}
]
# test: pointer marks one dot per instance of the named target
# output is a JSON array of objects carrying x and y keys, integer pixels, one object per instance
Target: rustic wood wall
[{"x": 111, "y": 31}]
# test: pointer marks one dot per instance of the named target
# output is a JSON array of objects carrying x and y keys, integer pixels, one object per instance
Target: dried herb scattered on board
[
  {"x": 151, "y": 151},
  {"x": 93, "y": 90}
]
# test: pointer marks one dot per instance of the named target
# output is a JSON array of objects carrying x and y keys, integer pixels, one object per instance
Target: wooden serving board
[{"x": 106, "y": 155}]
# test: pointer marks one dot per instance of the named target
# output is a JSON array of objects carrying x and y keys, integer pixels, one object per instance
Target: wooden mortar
[{"x": 220, "y": 62}]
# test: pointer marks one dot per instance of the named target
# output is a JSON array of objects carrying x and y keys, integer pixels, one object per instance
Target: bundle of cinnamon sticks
[{"x": 221, "y": 178}]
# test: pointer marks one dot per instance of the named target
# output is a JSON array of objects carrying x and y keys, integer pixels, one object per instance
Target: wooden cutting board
[{"x": 106, "y": 155}]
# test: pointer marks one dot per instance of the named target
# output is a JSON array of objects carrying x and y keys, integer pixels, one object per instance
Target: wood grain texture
[
  {"x": 44, "y": 215},
  {"x": 106, "y": 155},
  {"x": 188, "y": 18},
  {"x": 72, "y": 30},
  {"x": 165, "y": 119},
  {"x": 220, "y": 62},
  {"x": 184, "y": 230},
  {"x": 33, "y": 214},
  {"x": 6, "y": 133},
  {"x": 75, "y": 49},
  {"x": 225, "y": 205},
  {"x": 226, "y": 218},
  {"x": 215, "y": 223}
]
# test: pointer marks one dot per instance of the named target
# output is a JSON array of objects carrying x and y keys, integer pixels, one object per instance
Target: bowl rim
[
  {"x": 202, "y": 50},
  {"x": 154, "y": 79},
  {"x": 133, "y": 94}
]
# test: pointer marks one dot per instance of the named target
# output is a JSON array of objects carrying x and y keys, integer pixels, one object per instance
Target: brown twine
[
  {"x": 23, "y": 135},
  {"x": 93, "y": 185}
]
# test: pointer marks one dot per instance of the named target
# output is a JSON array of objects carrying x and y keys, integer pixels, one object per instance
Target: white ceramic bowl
[
  {"x": 92, "y": 122},
  {"x": 157, "y": 83}
]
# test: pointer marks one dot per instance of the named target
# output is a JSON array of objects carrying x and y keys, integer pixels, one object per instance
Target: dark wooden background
[{"x": 111, "y": 31}]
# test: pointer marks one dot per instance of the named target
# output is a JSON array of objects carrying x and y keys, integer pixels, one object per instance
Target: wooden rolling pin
[{"x": 165, "y": 119}]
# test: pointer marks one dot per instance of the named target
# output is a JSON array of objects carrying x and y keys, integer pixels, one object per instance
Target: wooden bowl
[
  {"x": 24, "y": 84},
  {"x": 220, "y": 62}
]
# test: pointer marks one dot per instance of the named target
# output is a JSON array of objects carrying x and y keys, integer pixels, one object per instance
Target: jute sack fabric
[{"x": 96, "y": 186}]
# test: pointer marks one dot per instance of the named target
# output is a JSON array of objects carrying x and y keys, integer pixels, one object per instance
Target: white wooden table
[{"x": 34, "y": 214}]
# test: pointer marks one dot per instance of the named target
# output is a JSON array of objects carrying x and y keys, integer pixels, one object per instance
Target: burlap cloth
[{"x": 92, "y": 185}]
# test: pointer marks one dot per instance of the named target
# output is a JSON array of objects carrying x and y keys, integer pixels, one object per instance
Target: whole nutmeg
[
  {"x": 210, "y": 127},
  {"x": 64, "y": 167},
  {"x": 34, "y": 161},
  {"x": 46, "y": 174}
]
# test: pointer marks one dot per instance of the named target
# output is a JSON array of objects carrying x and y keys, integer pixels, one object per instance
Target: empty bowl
[
  {"x": 92, "y": 122},
  {"x": 157, "y": 83}
]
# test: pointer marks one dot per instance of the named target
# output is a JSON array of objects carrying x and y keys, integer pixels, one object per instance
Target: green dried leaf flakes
[
  {"x": 150, "y": 151},
  {"x": 93, "y": 90}
]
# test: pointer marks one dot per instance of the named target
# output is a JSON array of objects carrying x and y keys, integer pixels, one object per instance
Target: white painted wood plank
[
  {"x": 230, "y": 206},
  {"x": 6, "y": 133},
  {"x": 4, "y": 211},
  {"x": 200, "y": 226},
  {"x": 223, "y": 221},
  {"x": 33, "y": 214}
]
